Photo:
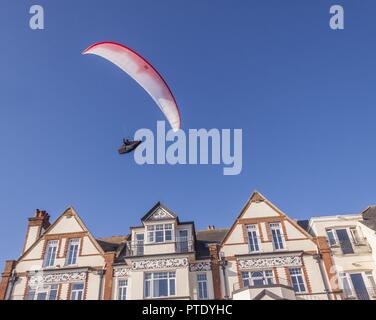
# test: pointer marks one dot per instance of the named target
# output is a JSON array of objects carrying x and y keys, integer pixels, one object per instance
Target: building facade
[{"x": 264, "y": 255}]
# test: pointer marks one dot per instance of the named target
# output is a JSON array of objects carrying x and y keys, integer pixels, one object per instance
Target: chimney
[{"x": 36, "y": 227}]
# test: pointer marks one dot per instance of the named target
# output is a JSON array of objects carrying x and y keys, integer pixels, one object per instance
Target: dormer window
[{"x": 159, "y": 233}]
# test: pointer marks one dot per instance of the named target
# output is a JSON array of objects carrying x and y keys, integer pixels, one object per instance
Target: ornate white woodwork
[
  {"x": 42, "y": 277},
  {"x": 121, "y": 272},
  {"x": 160, "y": 263},
  {"x": 160, "y": 214},
  {"x": 200, "y": 266},
  {"x": 269, "y": 262}
]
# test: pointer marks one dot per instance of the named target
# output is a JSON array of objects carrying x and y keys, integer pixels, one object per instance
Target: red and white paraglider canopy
[{"x": 142, "y": 72}]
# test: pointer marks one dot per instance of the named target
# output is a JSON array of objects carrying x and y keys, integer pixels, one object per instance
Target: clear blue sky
[{"x": 303, "y": 94}]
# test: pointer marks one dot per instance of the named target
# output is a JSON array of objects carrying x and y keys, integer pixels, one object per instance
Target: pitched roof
[
  {"x": 155, "y": 207},
  {"x": 112, "y": 243},
  {"x": 206, "y": 237},
  {"x": 304, "y": 224},
  {"x": 268, "y": 293},
  {"x": 369, "y": 217}
]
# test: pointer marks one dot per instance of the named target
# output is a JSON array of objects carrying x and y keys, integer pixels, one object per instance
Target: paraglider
[
  {"x": 129, "y": 146},
  {"x": 143, "y": 73}
]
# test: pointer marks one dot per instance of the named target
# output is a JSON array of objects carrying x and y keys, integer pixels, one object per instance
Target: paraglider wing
[{"x": 142, "y": 72}]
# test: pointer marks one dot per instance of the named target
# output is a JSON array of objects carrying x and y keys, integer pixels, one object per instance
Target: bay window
[
  {"x": 159, "y": 284},
  {"x": 47, "y": 292},
  {"x": 257, "y": 278}
]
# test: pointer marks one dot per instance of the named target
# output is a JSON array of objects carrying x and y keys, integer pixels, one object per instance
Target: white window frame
[
  {"x": 352, "y": 232},
  {"x": 277, "y": 226},
  {"x": 150, "y": 278},
  {"x": 202, "y": 286},
  {"x": 75, "y": 247},
  {"x": 296, "y": 276},
  {"x": 74, "y": 293},
  {"x": 47, "y": 289},
  {"x": 166, "y": 230},
  {"x": 266, "y": 276},
  {"x": 252, "y": 229},
  {"x": 122, "y": 289},
  {"x": 50, "y": 253}
]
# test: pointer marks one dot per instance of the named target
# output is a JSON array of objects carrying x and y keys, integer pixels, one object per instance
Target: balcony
[
  {"x": 180, "y": 245},
  {"x": 344, "y": 247},
  {"x": 360, "y": 294},
  {"x": 275, "y": 290}
]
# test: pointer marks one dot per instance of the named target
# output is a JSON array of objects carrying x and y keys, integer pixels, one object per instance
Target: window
[
  {"x": 297, "y": 280},
  {"x": 72, "y": 251},
  {"x": 253, "y": 243},
  {"x": 345, "y": 284},
  {"x": 50, "y": 255},
  {"x": 139, "y": 244},
  {"x": 42, "y": 293},
  {"x": 159, "y": 284},
  {"x": 77, "y": 291},
  {"x": 257, "y": 278},
  {"x": 331, "y": 237},
  {"x": 277, "y": 238},
  {"x": 371, "y": 279},
  {"x": 160, "y": 233},
  {"x": 122, "y": 289},
  {"x": 354, "y": 235},
  {"x": 202, "y": 286}
]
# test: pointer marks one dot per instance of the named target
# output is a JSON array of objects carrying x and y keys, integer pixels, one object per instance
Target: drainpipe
[
  {"x": 223, "y": 264},
  {"x": 12, "y": 281},
  {"x": 101, "y": 273},
  {"x": 317, "y": 257}
]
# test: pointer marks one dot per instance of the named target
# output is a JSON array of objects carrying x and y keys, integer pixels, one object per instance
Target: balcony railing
[
  {"x": 181, "y": 245},
  {"x": 343, "y": 247},
  {"x": 368, "y": 293}
]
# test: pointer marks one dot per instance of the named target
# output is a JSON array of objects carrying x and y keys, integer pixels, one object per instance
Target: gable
[
  {"x": 67, "y": 224},
  {"x": 158, "y": 213},
  {"x": 259, "y": 210}
]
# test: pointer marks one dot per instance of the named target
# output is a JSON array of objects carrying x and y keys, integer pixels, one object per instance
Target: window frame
[
  {"x": 49, "y": 258},
  {"x": 150, "y": 278},
  {"x": 73, "y": 291},
  {"x": 296, "y": 276},
  {"x": 202, "y": 286},
  {"x": 121, "y": 295},
  {"x": 255, "y": 237},
  {"x": 47, "y": 289},
  {"x": 163, "y": 232},
  {"x": 76, "y": 252},
  {"x": 278, "y": 240},
  {"x": 247, "y": 276}
]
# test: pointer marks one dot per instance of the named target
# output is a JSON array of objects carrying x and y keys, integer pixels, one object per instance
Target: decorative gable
[{"x": 159, "y": 212}]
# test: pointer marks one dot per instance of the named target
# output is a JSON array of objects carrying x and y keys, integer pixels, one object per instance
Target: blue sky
[{"x": 303, "y": 94}]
